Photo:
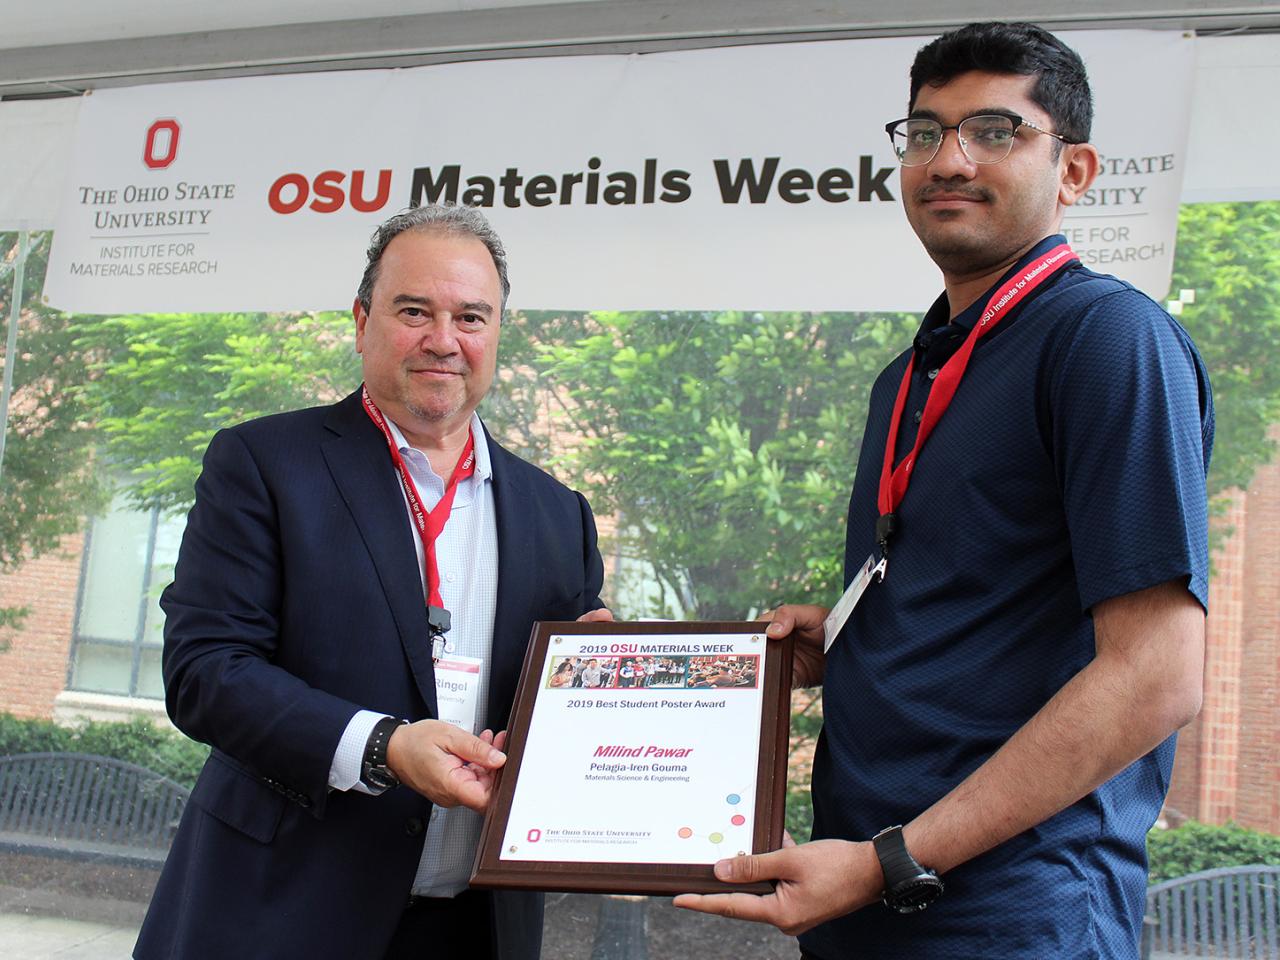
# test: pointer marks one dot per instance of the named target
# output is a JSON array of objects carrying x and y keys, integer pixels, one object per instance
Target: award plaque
[{"x": 639, "y": 754}]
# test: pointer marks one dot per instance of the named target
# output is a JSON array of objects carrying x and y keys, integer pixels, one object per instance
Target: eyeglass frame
[{"x": 1018, "y": 123}]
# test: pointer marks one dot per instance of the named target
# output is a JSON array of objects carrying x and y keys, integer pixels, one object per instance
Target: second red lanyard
[{"x": 894, "y": 482}]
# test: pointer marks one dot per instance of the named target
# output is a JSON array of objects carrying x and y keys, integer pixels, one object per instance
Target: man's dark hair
[{"x": 1061, "y": 88}]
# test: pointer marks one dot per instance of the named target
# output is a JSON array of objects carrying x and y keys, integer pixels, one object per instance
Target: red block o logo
[
  {"x": 535, "y": 835},
  {"x": 162, "y": 135}
]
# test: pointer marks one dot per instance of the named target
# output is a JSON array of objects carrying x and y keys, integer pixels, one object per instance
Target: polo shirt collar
[{"x": 939, "y": 315}]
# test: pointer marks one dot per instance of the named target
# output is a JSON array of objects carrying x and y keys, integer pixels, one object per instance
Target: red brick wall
[
  {"x": 33, "y": 668},
  {"x": 1258, "y": 803},
  {"x": 1228, "y": 763},
  {"x": 1219, "y": 740}
]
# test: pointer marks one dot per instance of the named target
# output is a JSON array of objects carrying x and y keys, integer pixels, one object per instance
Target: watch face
[{"x": 912, "y": 896}]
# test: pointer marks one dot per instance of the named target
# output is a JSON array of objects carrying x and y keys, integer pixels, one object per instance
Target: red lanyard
[
  {"x": 893, "y": 483},
  {"x": 429, "y": 524}
]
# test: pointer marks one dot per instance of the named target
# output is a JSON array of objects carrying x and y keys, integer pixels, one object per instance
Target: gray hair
[{"x": 448, "y": 219}]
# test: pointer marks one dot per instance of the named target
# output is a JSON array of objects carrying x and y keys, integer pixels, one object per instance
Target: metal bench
[
  {"x": 86, "y": 807},
  {"x": 1230, "y": 912}
]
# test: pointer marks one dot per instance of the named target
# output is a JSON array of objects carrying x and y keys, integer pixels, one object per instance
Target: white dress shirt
[{"x": 467, "y": 558}]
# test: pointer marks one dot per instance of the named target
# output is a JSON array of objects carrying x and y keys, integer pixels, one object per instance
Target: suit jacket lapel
[
  {"x": 511, "y": 503},
  {"x": 360, "y": 464}
]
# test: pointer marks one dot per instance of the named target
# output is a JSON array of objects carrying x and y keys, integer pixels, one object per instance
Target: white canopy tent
[
  {"x": 51, "y": 51},
  {"x": 71, "y": 45}
]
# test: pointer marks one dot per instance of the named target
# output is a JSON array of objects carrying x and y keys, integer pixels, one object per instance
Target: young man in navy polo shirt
[{"x": 1007, "y": 689}]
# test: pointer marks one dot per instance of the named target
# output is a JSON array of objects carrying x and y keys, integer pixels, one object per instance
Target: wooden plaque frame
[{"x": 490, "y": 871}]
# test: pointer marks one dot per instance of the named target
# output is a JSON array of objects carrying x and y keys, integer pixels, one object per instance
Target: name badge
[
  {"x": 458, "y": 690},
  {"x": 839, "y": 615}
]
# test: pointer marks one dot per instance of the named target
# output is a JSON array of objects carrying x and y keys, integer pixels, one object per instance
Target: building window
[{"x": 128, "y": 560}]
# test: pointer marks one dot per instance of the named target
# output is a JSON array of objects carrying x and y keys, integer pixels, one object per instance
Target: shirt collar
[
  {"x": 484, "y": 465},
  {"x": 939, "y": 315}
]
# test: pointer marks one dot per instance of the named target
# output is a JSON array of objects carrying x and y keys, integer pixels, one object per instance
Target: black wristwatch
[
  {"x": 908, "y": 887},
  {"x": 374, "y": 772}
]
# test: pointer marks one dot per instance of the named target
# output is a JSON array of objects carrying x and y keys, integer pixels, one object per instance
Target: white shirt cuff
[{"x": 344, "y": 773}]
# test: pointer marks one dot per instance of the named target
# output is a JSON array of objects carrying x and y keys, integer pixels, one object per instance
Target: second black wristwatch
[
  {"x": 374, "y": 772},
  {"x": 908, "y": 887}
]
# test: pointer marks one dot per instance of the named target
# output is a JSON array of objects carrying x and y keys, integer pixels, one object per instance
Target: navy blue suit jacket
[{"x": 297, "y": 601}]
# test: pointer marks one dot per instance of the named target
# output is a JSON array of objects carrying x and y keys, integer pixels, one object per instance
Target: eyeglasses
[{"x": 984, "y": 139}]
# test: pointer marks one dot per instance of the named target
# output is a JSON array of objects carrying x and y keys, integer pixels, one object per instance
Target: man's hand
[
  {"x": 815, "y": 882},
  {"x": 603, "y": 615},
  {"x": 446, "y": 765},
  {"x": 804, "y": 622}
]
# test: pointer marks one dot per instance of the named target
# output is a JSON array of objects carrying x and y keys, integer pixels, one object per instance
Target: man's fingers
[
  {"x": 739, "y": 906},
  {"x": 801, "y": 618},
  {"x": 751, "y": 868},
  {"x": 472, "y": 749},
  {"x": 603, "y": 615},
  {"x": 781, "y": 622},
  {"x": 473, "y": 794}
]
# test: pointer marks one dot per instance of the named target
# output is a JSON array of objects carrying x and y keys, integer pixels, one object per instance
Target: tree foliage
[
  {"x": 718, "y": 447},
  {"x": 721, "y": 444},
  {"x": 47, "y": 480},
  {"x": 1229, "y": 254},
  {"x": 163, "y": 384}
]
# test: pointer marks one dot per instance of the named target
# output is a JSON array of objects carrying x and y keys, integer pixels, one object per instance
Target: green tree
[
  {"x": 163, "y": 384},
  {"x": 722, "y": 444},
  {"x": 1229, "y": 254},
  {"x": 48, "y": 480}
]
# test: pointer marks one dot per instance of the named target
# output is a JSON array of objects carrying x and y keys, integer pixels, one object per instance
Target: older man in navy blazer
[{"x": 339, "y": 810}]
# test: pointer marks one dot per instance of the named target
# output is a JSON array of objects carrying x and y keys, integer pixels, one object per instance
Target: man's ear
[
  {"x": 362, "y": 318},
  {"x": 1080, "y": 165}
]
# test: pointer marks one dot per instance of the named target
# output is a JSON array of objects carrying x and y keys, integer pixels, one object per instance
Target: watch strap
[
  {"x": 895, "y": 860},
  {"x": 375, "y": 753}
]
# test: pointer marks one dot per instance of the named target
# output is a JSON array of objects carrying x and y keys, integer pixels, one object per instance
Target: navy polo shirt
[{"x": 1069, "y": 468}]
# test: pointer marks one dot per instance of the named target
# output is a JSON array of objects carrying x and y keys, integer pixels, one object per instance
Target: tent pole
[{"x": 11, "y": 344}]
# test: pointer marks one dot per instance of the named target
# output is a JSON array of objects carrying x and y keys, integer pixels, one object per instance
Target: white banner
[
  {"x": 36, "y": 138},
  {"x": 743, "y": 178}
]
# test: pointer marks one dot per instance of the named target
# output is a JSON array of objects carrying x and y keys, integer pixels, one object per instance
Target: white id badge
[
  {"x": 458, "y": 690},
  {"x": 835, "y": 621}
]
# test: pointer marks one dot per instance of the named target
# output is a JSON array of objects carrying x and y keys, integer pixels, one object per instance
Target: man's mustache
[{"x": 954, "y": 188}]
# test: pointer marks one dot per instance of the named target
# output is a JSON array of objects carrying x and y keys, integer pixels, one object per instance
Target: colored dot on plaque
[
  {"x": 684, "y": 833},
  {"x": 737, "y": 819},
  {"x": 716, "y": 837},
  {"x": 733, "y": 798}
]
